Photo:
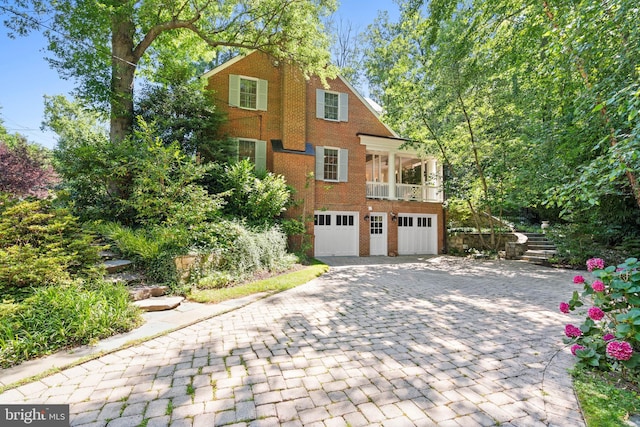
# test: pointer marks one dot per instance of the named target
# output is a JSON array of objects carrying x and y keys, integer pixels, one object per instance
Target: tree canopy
[
  {"x": 104, "y": 45},
  {"x": 528, "y": 104}
]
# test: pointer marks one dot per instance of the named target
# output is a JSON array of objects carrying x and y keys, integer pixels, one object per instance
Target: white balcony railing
[
  {"x": 377, "y": 190},
  {"x": 407, "y": 192}
]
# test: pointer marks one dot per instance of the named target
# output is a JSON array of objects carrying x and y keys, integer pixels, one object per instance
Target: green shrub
[
  {"x": 137, "y": 182},
  {"x": 151, "y": 249},
  {"x": 243, "y": 252},
  {"x": 42, "y": 245},
  {"x": 67, "y": 315},
  {"x": 579, "y": 242},
  {"x": 259, "y": 198}
]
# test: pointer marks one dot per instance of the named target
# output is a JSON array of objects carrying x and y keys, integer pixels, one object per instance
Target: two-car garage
[{"x": 337, "y": 233}]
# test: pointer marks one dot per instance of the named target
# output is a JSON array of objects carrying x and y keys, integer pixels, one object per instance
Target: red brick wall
[
  {"x": 351, "y": 194},
  {"x": 253, "y": 124},
  {"x": 291, "y": 117},
  {"x": 294, "y": 93}
]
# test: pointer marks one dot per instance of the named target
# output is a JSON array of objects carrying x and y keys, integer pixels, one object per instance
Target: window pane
[
  {"x": 248, "y": 93},
  {"x": 247, "y": 150},
  {"x": 331, "y": 102},
  {"x": 330, "y": 164}
]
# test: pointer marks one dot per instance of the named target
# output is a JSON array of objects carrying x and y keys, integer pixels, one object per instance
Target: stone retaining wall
[{"x": 515, "y": 244}]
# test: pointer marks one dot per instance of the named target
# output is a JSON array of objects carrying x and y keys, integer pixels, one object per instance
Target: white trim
[
  {"x": 377, "y": 143},
  {"x": 324, "y": 104},
  {"x": 225, "y": 65},
  {"x": 324, "y": 153}
]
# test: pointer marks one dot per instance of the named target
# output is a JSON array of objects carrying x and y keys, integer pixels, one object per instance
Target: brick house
[{"x": 365, "y": 194}]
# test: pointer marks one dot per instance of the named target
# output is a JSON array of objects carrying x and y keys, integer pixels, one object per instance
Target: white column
[
  {"x": 392, "y": 176},
  {"x": 423, "y": 180},
  {"x": 437, "y": 179}
]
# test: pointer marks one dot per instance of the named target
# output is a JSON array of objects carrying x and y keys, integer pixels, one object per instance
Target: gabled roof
[
  {"x": 225, "y": 65},
  {"x": 351, "y": 88}
]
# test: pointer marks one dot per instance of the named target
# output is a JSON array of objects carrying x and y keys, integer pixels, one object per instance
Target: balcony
[{"x": 406, "y": 192}]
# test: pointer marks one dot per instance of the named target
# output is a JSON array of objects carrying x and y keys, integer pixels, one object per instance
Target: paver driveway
[{"x": 412, "y": 341}]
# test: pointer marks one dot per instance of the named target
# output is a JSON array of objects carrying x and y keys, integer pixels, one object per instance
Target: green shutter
[
  {"x": 261, "y": 103},
  {"x": 320, "y": 163},
  {"x": 319, "y": 103},
  {"x": 261, "y": 155},
  {"x": 344, "y": 107},
  {"x": 343, "y": 162},
  {"x": 234, "y": 90}
]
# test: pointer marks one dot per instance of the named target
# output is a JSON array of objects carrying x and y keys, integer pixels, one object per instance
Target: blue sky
[{"x": 25, "y": 77}]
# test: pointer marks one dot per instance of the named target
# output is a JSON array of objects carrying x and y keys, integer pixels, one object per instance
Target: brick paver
[{"x": 413, "y": 341}]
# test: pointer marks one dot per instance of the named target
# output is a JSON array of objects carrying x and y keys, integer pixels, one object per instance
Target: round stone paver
[{"x": 412, "y": 341}]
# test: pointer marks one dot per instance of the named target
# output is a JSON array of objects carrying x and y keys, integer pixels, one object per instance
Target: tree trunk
[{"x": 123, "y": 67}]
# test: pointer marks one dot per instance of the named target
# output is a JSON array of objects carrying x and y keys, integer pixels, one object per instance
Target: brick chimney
[{"x": 294, "y": 123}]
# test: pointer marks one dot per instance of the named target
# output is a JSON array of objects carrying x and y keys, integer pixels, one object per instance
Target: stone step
[
  {"x": 127, "y": 278},
  {"x": 537, "y": 239},
  {"x": 548, "y": 247},
  {"x": 536, "y": 252},
  {"x": 107, "y": 255},
  {"x": 159, "y": 303},
  {"x": 138, "y": 293},
  {"x": 116, "y": 265},
  {"x": 535, "y": 259}
]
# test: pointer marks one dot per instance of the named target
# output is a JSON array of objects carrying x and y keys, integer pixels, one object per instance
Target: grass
[
  {"x": 605, "y": 401},
  {"x": 278, "y": 283}
]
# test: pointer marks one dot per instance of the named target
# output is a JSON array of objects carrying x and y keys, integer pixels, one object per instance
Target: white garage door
[
  {"x": 336, "y": 233},
  {"x": 417, "y": 234}
]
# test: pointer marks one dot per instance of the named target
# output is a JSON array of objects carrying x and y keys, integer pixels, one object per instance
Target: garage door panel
[
  {"x": 417, "y": 234},
  {"x": 336, "y": 233}
]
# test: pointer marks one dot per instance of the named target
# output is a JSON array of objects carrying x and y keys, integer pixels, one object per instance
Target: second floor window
[
  {"x": 330, "y": 164},
  {"x": 248, "y": 93},
  {"x": 331, "y": 105}
]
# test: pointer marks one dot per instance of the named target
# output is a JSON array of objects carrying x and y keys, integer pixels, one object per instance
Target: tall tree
[
  {"x": 530, "y": 103},
  {"x": 104, "y": 44}
]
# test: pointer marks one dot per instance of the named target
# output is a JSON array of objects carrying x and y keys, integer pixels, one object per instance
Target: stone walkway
[{"x": 405, "y": 341}]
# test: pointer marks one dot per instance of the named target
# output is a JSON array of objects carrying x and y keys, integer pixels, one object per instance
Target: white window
[
  {"x": 332, "y": 164},
  {"x": 332, "y": 106},
  {"x": 248, "y": 92},
  {"x": 253, "y": 150}
]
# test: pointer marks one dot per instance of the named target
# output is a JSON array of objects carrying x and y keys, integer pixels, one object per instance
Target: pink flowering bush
[{"x": 609, "y": 337}]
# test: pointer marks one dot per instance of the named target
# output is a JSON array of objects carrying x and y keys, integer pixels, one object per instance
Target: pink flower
[
  {"x": 575, "y": 348},
  {"x": 620, "y": 350},
  {"x": 596, "y": 313},
  {"x": 564, "y": 307},
  {"x": 578, "y": 280},
  {"x": 597, "y": 286},
  {"x": 572, "y": 331},
  {"x": 595, "y": 264},
  {"x": 608, "y": 337}
]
